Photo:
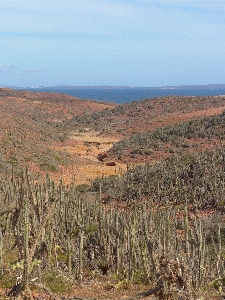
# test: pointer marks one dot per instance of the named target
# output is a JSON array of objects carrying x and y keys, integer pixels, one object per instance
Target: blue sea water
[{"x": 125, "y": 95}]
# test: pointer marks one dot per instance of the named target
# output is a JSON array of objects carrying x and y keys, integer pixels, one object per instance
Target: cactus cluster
[{"x": 152, "y": 232}]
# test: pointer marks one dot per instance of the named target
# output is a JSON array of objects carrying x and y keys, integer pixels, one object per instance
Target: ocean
[{"x": 125, "y": 95}]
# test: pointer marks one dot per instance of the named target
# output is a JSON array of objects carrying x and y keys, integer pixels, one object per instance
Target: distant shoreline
[{"x": 180, "y": 87}]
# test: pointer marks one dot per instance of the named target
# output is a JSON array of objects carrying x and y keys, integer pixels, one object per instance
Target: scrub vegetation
[{"x": 158, "y": 226}]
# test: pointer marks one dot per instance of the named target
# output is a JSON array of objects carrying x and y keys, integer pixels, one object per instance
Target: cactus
[{"x": 128, "y": 238}]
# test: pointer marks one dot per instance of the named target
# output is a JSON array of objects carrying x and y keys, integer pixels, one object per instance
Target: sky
[{"x": 112, "y": 42}]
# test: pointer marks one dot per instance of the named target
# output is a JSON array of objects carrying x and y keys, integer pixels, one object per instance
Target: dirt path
[{"x": 99, "y": 291}]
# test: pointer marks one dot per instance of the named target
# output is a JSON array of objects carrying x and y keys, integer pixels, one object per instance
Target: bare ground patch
[{"x": 87, "y": 146}]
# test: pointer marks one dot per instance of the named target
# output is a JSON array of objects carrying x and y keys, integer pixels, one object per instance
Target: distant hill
[{"x": 64, "y": 86}]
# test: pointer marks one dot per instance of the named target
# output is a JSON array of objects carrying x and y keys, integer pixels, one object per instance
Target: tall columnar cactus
[
  {"x": 26, "y": 255},
  {"x": 126, "y": 238},
  {"x": 1, "y": 252}
]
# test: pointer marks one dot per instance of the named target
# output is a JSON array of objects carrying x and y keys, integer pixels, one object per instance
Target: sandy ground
[{"x": 87, "y": 146}]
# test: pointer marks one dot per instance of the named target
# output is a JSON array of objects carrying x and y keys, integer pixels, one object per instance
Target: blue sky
[{"x": 112, "y": 42}]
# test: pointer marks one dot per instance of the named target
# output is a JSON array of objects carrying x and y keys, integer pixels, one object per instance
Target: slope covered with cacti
[{"x": 159, "y": 225}]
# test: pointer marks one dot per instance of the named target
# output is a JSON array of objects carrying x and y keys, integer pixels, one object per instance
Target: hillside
[
  {"x": 192, "y": 136},
  {"x": 148, "y": 114},
  {"x": 193, "y": 178},
  {"x": 138, "y": 126},
  {"x": 29, "y": 128}
]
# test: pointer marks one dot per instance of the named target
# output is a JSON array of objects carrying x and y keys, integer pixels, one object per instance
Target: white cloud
[
  {"x": 35, "y": 71},
  {"x": 106, "y": 17},
  {"x": 82, "y": 16},
  {"x": 3, "y": 69},
  {"x": 14, "y": 70},
  {"x": 8, "y": 70},
  {"x": 105, "y": 7}
]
